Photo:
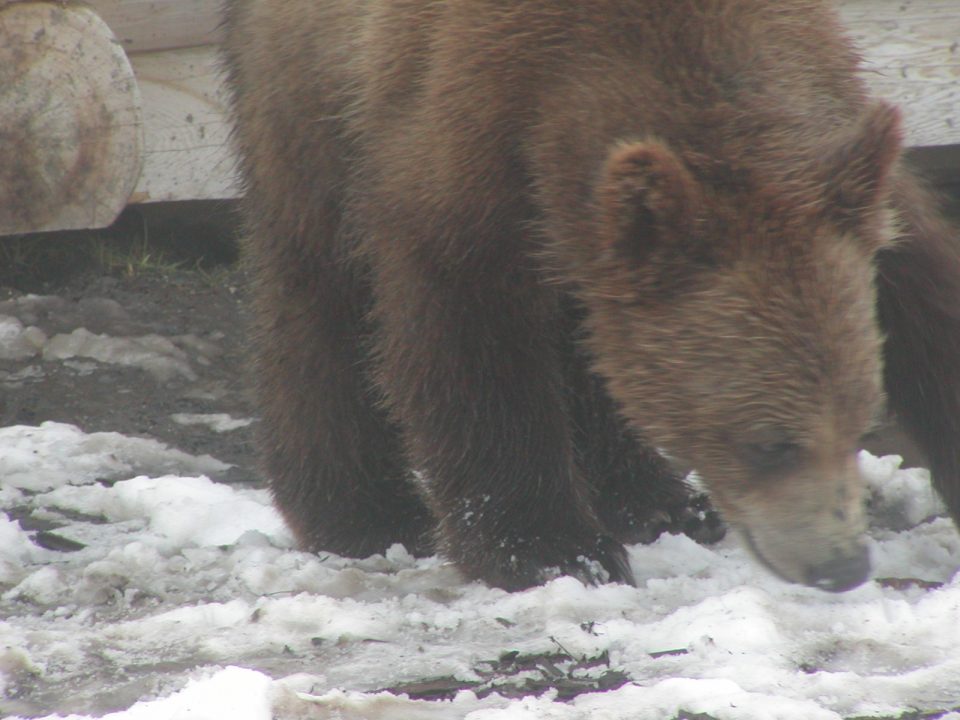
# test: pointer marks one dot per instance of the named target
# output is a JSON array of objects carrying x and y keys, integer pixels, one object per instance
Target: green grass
[{"x": 134, "y": 246}]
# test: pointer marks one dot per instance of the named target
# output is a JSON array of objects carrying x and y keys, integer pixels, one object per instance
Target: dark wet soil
[{"x": 188, "y": 288}]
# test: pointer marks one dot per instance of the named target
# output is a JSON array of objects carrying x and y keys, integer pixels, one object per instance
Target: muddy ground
[{"x": 175, "y": 278}]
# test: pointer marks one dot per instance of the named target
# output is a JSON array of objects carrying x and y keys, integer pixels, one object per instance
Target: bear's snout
[
  {"x": 808, "y": 526},
  {"x": 843, "y": 572},
  {"x": 844, "y": 569}
]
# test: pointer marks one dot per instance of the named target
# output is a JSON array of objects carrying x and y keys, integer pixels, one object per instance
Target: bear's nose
[{"x": 843, "y": 572}]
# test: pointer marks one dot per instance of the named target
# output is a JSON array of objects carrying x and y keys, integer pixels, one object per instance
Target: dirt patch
[{"x": 145, "y": 343}]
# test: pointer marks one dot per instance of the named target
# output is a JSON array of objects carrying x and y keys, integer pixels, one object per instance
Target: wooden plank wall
[
  {"x": 150, "y": 25},
  {"x": 186, "y": 131},
  {"x": 910, "y": 49},
  {"x": 911, "y": 52},
  {"x": 172, "y": 48}
]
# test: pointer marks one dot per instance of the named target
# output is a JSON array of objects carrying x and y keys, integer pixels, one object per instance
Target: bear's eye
[{"x": 772, "y": 451}]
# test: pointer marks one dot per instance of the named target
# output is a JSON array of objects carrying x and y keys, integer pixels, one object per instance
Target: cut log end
[{"x": 70, "y": 120}]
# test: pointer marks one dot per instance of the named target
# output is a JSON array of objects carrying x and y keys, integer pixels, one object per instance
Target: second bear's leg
[
  {"x": 471, "y": 367},
  {"x": 919, "y": 309}
]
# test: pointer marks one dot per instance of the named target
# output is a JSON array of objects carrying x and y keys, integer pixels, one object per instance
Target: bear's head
[{"x": 732, "y": 313}]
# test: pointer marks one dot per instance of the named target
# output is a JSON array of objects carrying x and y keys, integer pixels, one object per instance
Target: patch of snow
[
  {"x": 18, "y": 342},
  {"x": 58, "y": 314},
  {"x": 156, "y": 354},
  {"x": 54, "y": 454},
  {"x": 234, "y": 693},
  {"x": 289, "y": 703},
  {"x": 184, "y": 510},
  {"x": 203, "y": 347},
  {"x": 900, "y": 499},
  {"x": 218, "y": 422},
  {"x": 67, "y": 337},
  {"x": 187, "y": 599},
  {"x": 17, "y": 550}
]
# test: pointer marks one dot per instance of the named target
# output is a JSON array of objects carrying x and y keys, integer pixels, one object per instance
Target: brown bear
[{"x": 511, "y": 256}]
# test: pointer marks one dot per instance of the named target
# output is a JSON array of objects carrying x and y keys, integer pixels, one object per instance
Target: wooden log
[
  {"x": 150, "y": 25},
  {"x": 70, "y": 120}
]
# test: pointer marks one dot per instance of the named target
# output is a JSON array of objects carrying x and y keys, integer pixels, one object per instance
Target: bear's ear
[
  {"x": 647, "y": 200},
  {"x": 857, "y": 172}
]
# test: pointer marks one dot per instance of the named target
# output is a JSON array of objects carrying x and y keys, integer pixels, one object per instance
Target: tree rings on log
[{"x": 71, "y": 129}]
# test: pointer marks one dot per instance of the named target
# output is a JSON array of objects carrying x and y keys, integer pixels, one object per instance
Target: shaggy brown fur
[{"x": 470, "y": 220}]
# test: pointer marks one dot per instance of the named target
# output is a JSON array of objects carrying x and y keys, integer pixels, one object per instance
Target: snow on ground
[
  {"x": 183, "y": 598},
  {"x": 218, "y": 422},
  {"x": 160, "y": 356}
]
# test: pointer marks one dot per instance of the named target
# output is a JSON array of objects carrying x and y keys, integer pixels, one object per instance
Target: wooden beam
[
  {"x": 150, "y": 25},
  {"x": 186, "y": 150},
  {"x": 911, "y": 51},
  {"x": 909, "y": 47}
]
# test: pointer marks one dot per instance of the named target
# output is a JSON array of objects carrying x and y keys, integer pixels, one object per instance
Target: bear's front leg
[
  {"x": 470, "y": 366},
  {"x": 335, "y": 465},
  {"x": 637, "y": 494}
]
